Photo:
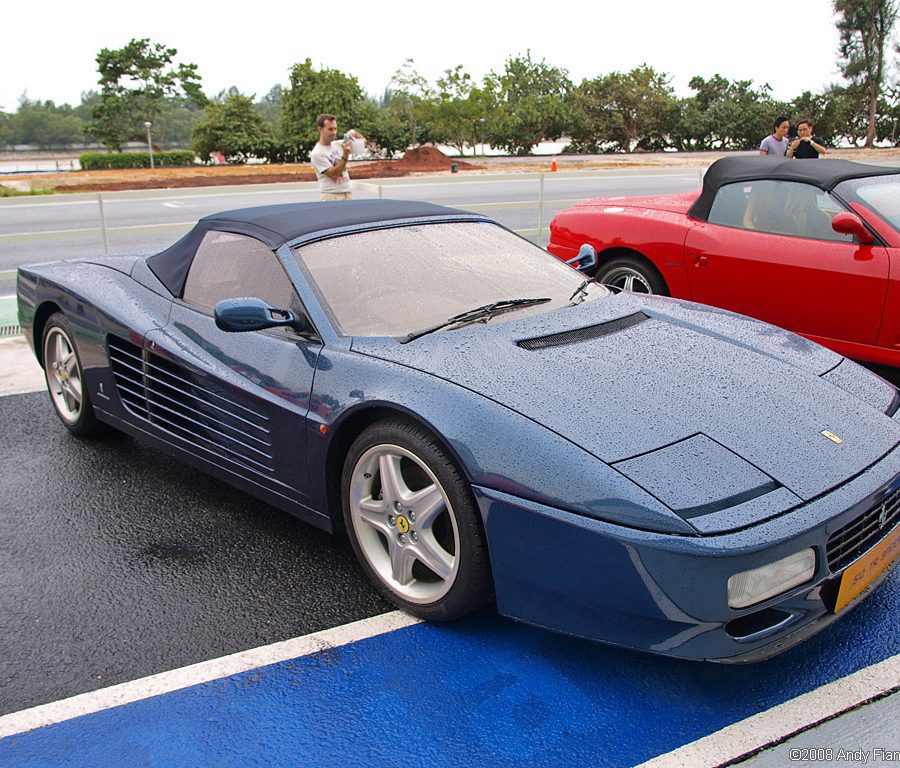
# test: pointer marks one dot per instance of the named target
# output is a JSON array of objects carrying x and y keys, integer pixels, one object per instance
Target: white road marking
[
  {"x": 204, "y": 672},
  {"x": 773, "y": 726}
]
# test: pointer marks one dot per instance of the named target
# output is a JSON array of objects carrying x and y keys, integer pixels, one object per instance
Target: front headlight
[{"x": 750, "y": 587}]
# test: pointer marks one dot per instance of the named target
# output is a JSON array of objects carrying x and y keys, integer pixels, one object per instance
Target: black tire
[
  {"x": 64, "y": 375},
  {"x": 413, "y": 522},
  {"x": 630, "y": 273}
]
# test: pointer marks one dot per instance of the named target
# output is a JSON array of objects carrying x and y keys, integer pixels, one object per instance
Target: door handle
[{"x": 700, "y": 260}]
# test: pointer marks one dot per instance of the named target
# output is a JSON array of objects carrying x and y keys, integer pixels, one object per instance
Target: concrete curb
[{"x": 19, "y": 369}]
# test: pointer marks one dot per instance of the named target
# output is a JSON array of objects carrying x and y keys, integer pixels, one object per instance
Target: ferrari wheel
[
  {"x": 413, "y": 522},
  {"x": 631, "y": 274},
  {"x": 65, "y": 378}
]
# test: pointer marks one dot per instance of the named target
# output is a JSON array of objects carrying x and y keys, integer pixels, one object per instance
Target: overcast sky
[{"x": 49, "y": 50}]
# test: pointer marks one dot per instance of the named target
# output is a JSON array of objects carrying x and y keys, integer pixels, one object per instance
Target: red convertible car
[{"x": 811, "y": 246}]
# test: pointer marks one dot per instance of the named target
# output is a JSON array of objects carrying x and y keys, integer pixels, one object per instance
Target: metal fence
[{"x": 538, "y": 197}]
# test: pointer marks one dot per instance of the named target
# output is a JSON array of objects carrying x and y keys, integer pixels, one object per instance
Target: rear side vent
[
  {"x": 172, "y": 398},
  {"x": 583, "y": 334}
]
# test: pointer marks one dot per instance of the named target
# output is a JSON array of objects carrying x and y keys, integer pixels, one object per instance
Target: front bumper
[{"x": 667, "y": 594}]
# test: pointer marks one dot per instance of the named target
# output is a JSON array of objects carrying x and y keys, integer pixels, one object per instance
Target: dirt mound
[
  {"x": 428, "y": 159},
  {"x": 418, "y": 160}
]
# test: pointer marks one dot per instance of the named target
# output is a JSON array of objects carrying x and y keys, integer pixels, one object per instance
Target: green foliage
[
  {"x": 134, "y": 82},
  {"x": 5, "y": 129},
  {"x": 10, "y": 192},
  {"x": 865, "y": 29},
  {"x": 624, "y": 111},
  {"x": 848, "y": 113},
  {"x": 314, "y": 92},
  {"x": 269, "y": 106},
  {"x": 44, "y": 125},
  {"x": 528, "y": 104},
  {"x": 98, "y": 161},
  {"x": 388, "y": 132},
  {"x": 460, "y": 109},
  {"x": 233, "y": 128},
  {"x": 724, "y": 114}
]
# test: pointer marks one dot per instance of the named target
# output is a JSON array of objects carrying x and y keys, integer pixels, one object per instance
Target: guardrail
[{"x": 541, "y": 201}]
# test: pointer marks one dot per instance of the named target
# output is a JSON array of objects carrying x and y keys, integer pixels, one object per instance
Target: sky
[{"x": 48, "y": 51}]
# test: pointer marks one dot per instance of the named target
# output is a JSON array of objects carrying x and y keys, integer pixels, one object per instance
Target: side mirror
[
  {"x": 248, "y": 314},
  {"x": 850, "y": 224},
  {"x": 586, "y": 258}
]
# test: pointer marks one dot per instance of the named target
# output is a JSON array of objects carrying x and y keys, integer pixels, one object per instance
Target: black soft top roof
[
  {"x": 825, "y": 174},
  {"x": 276, "y": 225}
]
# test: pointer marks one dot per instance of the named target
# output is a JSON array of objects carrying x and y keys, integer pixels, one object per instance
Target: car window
[
  {"x": 878, "y": 193},
  {"x": 778, "y": 207},
  {"x": 229, "y": 266},
  {"x": 400, "y": 280}
]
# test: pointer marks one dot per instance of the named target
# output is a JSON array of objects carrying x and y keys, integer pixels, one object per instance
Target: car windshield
[
  {"x": 880, "y": 194},
  {"x": 398, "y": 281}
]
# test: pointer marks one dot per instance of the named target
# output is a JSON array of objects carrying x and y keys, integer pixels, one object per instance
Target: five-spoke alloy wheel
[
  {"x": 631, "y": 274},
  {"x": 413, "y": 522},
  {"x": 65, "y": 378}
]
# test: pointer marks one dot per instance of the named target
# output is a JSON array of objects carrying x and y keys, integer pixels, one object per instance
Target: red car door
[{"x": 768, "y": 251}]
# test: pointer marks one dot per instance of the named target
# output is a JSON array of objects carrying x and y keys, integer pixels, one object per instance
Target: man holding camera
[
  {"x": 329, "y": 160},
  {"x": 806, "y": 146}
]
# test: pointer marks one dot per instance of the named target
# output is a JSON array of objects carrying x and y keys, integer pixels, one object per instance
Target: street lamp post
[
  {"x": 147, "y": 125},
  {"x": 481, "y": 131}
]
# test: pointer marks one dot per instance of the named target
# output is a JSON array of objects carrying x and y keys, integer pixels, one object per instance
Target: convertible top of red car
[{"x": 825, "y": 174}]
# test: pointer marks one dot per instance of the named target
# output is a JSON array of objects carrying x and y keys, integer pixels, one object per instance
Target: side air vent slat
[
  {"x": 580, "y": 335},
  {"x": 171, "y": 398}
]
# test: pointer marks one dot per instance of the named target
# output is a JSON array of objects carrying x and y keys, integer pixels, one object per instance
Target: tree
[
  {"x": 233, "y": 128},
  {"x": 625, "y": 110},
  {"x": 460, "y": 109},
  {"x": 134, "y": 82},
  {"x": 312, "y": 93},
  {"x": 527, "y": 104},
  {"x": 5, "y": 129},
  {"x": 848, "y": 109},
  {"x": 45, "y": 125},
  {"x": 724, "y": 114},
  {"x": 269, "y": 106},
  {"x": 865, "y": 30}
]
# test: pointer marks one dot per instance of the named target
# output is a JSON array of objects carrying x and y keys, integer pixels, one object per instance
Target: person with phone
[{"x": 806, "y": 146}]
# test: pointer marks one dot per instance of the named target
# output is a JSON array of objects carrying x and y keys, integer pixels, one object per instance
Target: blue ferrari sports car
[{"x": 488, "y": 425}]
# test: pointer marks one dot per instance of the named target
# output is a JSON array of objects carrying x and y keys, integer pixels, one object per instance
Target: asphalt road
[
  {"x": 35, "y": 229},
  {"x": 119, "y": 562}
]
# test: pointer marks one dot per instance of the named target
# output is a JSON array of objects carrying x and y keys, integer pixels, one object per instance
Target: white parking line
[
  {"x": 773, "y": 726},
  {"x": 204, "y": 672}
]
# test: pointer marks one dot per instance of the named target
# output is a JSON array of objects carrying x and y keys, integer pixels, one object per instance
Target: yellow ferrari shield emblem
[
  {"x": 402, "y": 524},
  {"x": 831, "y": 436}
]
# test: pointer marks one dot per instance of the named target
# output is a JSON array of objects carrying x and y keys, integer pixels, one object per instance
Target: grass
[{"x": 10, "y": 192}]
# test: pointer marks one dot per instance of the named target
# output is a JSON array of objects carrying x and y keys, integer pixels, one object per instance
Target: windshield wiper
[{"x": 478, "y": 315}]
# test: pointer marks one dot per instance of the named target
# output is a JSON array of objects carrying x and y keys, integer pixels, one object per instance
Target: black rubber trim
[{"x": 583, "y": 334}]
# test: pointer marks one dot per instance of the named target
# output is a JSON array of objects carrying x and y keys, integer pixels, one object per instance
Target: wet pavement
[{"x": 118, "y": 562}]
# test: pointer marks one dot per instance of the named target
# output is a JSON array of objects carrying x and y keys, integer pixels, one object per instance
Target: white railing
[{"x": 541, "y": 202}]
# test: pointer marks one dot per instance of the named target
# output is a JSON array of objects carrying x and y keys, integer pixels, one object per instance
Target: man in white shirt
[{"x": 329, "y": 160}]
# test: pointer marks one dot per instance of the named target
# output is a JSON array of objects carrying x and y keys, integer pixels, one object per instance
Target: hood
[
  {"x": 625, "y": 376},
  {"x": 680, "y": 203}
]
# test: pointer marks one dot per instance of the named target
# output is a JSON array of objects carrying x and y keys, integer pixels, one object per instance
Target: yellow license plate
[{"x": 865, "y": 570}]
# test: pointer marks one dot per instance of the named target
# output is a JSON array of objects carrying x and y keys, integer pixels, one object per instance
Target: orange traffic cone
[{"x": 553, "y": 165}]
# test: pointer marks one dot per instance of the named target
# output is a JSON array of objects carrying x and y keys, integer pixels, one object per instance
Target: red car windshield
[{"x": 880, "y": 194}]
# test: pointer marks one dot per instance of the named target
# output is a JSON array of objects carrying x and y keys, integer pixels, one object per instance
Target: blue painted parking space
[{"x": 483, "y": 691}]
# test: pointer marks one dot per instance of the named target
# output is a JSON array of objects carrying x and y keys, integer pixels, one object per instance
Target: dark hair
[
  {"x": 323, "y": 118},
  {"x": 806, "y": 121},
  {"x": 780, "y": 119}
]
